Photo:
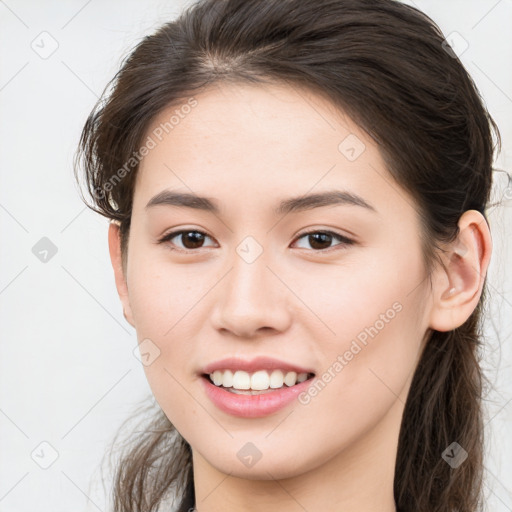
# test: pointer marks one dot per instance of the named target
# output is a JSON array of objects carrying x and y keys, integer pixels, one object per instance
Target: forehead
[
  {"x": 278, "y": 116},
  {"x": 260, "y": 142}
]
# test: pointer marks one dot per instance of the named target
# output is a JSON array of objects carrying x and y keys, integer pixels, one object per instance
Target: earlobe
[
  {"x": 114, "y": 246},
  {"x": 458, "y": 286}
]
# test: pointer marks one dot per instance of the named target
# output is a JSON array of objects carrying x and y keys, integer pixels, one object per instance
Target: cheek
[
  {"x": 376, "y": 329},
  {"x": 160, "y": 306},
  {"x": 362, "y": 291},
  {"x": 368, "y": 371},
  {"x": 364, "y": 380},
  {"x": 161, "y": 293}
]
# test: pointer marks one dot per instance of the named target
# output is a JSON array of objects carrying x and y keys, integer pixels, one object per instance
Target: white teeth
[
  {"x": 258, "y": 381},
  {"x": 241, "y": 380},
  {"x": 290, "y": 378},
  {"x": 276, "y": 379},
  {"x": 217, "y": 377},
  {"x": 227, "y": 379}
]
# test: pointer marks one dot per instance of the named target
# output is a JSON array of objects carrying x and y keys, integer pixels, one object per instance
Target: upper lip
[{"x": 252, "y": 365}]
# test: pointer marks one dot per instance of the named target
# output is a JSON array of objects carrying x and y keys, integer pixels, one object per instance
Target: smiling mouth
[{"x": 247, "y": 390}]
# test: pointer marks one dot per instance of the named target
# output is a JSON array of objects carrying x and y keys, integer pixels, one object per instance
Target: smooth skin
[{"x": 248, "y": 148}]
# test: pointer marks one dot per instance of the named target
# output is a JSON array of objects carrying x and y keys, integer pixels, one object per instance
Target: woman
[{"x": 297, "y": 193}]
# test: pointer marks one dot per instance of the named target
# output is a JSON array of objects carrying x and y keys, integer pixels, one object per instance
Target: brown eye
[
  {"x": 190, "y": 238},
  {"x": 193, "y": 239},
  {"x": 321, "y": 240}
]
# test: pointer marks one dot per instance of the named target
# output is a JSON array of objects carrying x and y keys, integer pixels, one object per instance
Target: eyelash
[{"x": 343, "y": 239}]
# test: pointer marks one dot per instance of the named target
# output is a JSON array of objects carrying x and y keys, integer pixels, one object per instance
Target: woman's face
[{"x": 352, "y": 310}]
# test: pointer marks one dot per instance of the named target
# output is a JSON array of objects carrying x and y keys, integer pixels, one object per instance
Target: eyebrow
[{"x": 293, "y": 204}]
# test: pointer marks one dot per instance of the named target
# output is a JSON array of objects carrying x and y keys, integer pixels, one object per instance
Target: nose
[{"x": 251, "y": 300}]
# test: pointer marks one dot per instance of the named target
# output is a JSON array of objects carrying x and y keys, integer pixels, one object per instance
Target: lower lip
[{"x": 253, "y": 406}]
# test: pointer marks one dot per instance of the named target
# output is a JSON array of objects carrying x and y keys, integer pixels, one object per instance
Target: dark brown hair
[{"x": 387, "y": 66}]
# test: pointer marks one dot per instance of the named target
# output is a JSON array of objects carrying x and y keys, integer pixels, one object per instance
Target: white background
[{"x": 68, "y": 375}]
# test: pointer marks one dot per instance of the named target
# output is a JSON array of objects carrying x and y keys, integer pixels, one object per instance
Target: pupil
[
  {"x": 195, "y": 237},
  {"x": 324, "y": 236}
]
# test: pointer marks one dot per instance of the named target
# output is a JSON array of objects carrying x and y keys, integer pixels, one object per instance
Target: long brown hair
[{"x": 388, "y": 67}]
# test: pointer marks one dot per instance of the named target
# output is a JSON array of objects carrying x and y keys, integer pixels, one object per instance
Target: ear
[
  {"x": 114, "y": 246},
  {"x": 459, "y": 285}
]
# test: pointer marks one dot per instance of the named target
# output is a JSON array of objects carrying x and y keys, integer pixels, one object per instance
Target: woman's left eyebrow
[{"x": 293, "y": 204}]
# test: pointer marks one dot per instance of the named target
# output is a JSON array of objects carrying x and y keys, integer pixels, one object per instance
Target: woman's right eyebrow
[{"x": 293, "y": 204}]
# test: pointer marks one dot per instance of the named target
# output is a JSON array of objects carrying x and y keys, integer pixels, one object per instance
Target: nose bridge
[{"x": 251, "y": 297}]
